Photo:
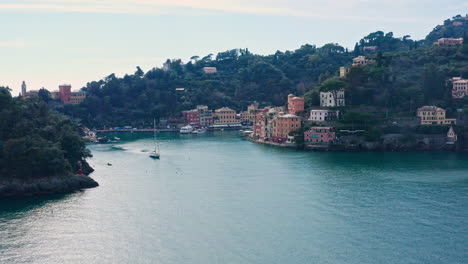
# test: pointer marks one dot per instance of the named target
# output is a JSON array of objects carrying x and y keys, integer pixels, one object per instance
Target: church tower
[{"x": 23, "y": 89}]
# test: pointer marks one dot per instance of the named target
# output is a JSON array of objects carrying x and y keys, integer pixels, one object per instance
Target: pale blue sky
[{"x": 49, "y": 42}]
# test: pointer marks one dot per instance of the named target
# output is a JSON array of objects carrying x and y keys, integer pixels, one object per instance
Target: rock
[{"x": 48, "y": 185}]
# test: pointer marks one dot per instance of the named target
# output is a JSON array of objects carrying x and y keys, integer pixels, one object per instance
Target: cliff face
[{"x": 48, "y": 185}]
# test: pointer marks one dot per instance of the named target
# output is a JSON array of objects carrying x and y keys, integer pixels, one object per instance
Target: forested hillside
[
  {"x": 406, "y": 74},
  {"x": 36, "y": 142}
]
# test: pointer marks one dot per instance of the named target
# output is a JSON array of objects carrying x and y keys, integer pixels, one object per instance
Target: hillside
[
  {"x": 406, "y": 75},
  {"x": 40, "y": 150}
]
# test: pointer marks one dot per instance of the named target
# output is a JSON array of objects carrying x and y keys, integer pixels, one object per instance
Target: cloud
[
  {"x": 13, "y": 44},
  {"x": 355, "y": 10}
]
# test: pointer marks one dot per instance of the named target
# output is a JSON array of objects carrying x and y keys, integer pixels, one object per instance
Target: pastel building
[
  {"x": 192, "y": 116},
  {"x": 317, "y": 135},
  {"x": 449, "y": 41},
  {"x": 283, "y": 125},
  {"x": 249, "y": 115},
  {"x": 225, "y": 116},
  {"x": 206, "y": 115},
  {"x": 209, "y": 70},
  {"x": 324, "y": 115},
  {"x": 433, "y": 115},
  {"x": 344, "y": 71},
  {"x": 459, "y": 88},
  {"x": 361, "y": 61},
  {"x": 295, "y": 104},
  {"x": 332, "y": 98}
]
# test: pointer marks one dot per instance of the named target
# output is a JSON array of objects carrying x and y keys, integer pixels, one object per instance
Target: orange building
[
  {"x": 283, "y": 125},
  {"x": 295, "y": 104}
]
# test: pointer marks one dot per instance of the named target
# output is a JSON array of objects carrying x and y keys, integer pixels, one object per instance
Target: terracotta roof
[{"x": 430, "y": 108}]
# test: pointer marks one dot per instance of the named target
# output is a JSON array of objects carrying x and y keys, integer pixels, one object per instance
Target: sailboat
[{"x": 155, "y": 154}]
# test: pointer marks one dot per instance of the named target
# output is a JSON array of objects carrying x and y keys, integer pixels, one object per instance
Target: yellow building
[
  {"x": 433, "y": 115},
  {"x": 225, "y": 116},
  {"x": 77, "y": 97},
  {"x": 344, "y": 71}
]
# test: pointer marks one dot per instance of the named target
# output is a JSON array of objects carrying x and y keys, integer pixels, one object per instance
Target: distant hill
[
  {"x": 452, "y": 28},
  {"x": 407, "y": 74}
]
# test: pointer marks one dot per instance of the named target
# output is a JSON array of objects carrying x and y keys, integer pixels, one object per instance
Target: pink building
[
  {"x": 65, "y": 93},
  {"x": 192, "y": 117},
  {"x": 320, "y": 135},
  {"x": 295, "y": 104},
  {"x": 459, "y": 88},
  {"x": 449, "y": 41}
]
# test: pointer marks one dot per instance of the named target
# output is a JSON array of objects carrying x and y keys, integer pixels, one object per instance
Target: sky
[{"x": 51, "y": 42}]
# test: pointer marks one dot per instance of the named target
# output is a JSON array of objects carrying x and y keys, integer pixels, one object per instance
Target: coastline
[
  {"x": 366, "y": 146},
  {"x": 45, "y": 185}
]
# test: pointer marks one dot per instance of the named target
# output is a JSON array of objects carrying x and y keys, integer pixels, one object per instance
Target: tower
[{"x": 23, "y": 89}]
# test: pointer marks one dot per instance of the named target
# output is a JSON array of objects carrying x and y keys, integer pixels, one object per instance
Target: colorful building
[
  {"x": 317, "y": 135},
  {"x": 433, "y": 115},
  {"x": 324, "y": 115},
  {"x": 225, "y": 116},
  {"x": 449, "y": 41},
  {"x": 65, "y": 93},
  {"x": 295, "y": 104},
  {"x": 209, "y": 70},
  {"x": 459, "y": 88},
  {"x": 192, "y": 116},
  {"x": 77, "y": 97},
  {"x": 206, "y": 116},
  {"x": 282, "y": 125},
  {"x": 332, "y": 98},
  {"x": 344, "y": 72},
  {"x": 249, "y": 115},
  {"x": 361, "y": 61}
]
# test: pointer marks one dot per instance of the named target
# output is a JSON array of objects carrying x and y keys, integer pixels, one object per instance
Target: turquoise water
[{"x": 219, "y": 199}]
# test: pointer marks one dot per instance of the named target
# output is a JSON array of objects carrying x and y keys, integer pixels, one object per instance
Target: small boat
[
  {"x": 155, "y": 154},
  {"x": 201, "y": 131},
  {"x": 186, "y": 129}
]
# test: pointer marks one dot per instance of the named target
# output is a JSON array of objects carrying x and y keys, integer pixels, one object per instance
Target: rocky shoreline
[{"x": 45, "y": 185}]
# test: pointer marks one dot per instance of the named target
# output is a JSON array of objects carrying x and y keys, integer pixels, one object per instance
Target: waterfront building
[
  {"x": 433, "y": 115},
  {"x": 317, "y": 135},
  {"x": 249, "y": 115},
  {"x": 323, "y": 115},
  {"x": 209, "y": 70},
  {"x": 332, "y": 98},
  {"x": 282, "y": 125},
  {"x": 361, "y": 61},
  {"x": 206, "y": 115},
  {"x": 192, "y": 116},
  {"x": 449, "y": 41},
  {"x": 344, "y": 72},
  {"x": 263, "y": 124},
  {"x": 225, "y": 116},
  {"x": 295, "y": 104},
  {"x": 459, "y": 88},
  {"x": 451, "y": 136}
]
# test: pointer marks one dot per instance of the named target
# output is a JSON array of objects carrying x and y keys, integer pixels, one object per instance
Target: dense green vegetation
[
  {"x": 406, "y": 74},
  {"x": 36, "y": 142}
]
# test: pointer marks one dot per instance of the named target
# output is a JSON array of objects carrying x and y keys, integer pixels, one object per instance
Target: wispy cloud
[
  {"x": 307, "y": 9},
  {"x": 14, "y": 43}
]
